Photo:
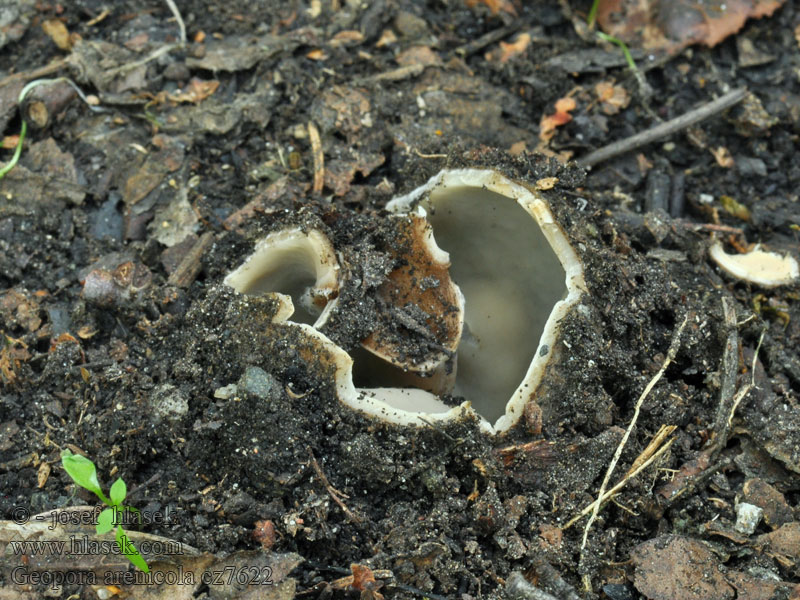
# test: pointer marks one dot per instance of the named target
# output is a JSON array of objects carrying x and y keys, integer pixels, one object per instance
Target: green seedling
[
  {"x": 590, "y": 21},
  {"x": 24, "y": 129},
  {"x": 624, "y": 47},
  {"x": 84, "y": 473}
]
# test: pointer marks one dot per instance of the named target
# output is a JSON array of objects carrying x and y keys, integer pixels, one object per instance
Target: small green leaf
[
  {"x": 118, "y": 492},
  {"x": 130, "y": 551},
  {"x": 83, "y": 472},
  {"x": 105, "y": 521}
]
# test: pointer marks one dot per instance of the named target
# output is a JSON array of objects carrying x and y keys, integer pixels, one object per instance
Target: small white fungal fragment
[{"x": 767, "y": 269}]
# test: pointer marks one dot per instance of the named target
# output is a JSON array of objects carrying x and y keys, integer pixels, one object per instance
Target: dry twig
[
  {"x": 664, "y": 129},
  {"x": 317, "y": 156},
  {"x": 332, "y": 491},
  {"x": 671, "y": 353},
  {"x": 644, "y": 460},
  {"x": 190, "y": 265}
]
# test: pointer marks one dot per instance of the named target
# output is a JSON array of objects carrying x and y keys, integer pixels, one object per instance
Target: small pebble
[
  {"x": 226, "y": 391},
  {"x": 256, "y": 382},
  {"x": 747, "y": 517}
]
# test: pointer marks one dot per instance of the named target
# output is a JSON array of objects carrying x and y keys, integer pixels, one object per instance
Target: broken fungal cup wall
[{"x": 518, "y": 273}]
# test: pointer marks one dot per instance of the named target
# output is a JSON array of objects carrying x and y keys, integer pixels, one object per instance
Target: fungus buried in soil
[{"x": 501, "y": 245}]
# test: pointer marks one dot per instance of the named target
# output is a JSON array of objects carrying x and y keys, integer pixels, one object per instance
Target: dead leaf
[
  {"x": 347, "y": 37},
  {"x": 549, "y": 123},
  {"x": 10, "y": 142},
  {"x": 735, "y": 208},
  {"x": 388, "y": 37},
  {"x": 418, "y": 55},
  {"x": 546, "y": 183},
  {"x": 506, "y": 51},
  {"x": 613, "y": 98},
  {"x": 495, "y": 6},
  {"x": 517, "y": 148},
  {"x": 673, "y": 566},
  {"x": 12, "y": 354},
  {"x": 195, "y": 91},
  {"x": 264, "y": 533},
  {"x": 723, "y": 157},
  {"x": 18, "y": 308},
  {"x": 138, "y": 42},
  {"x": 316, "y": 54},
  {"x": 783, "y": 542},
  {"x": 363, "y": 579},
  {"x": 674, "y": 24},
  {"x": 42, "y": 474},
  {"x": 58, "y": 32}
]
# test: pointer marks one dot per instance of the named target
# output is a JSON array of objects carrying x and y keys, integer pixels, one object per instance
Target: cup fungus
[
  {"x": 502, "y": 247},
  {"x": 301, "y": 264}
]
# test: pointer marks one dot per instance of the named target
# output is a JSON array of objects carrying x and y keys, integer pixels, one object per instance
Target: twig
[
  {"x": 729, "y": 402},
  {"x": 488, "y": 38},
  {"x": 333, "y": 492},
  {"x": 671, "y": 353},
  {"x": 701, "y": 477},
  {"x": 729, "y": 369},
  {"x": 709, "y": 227},
  {"x": 189, "y": 267},
  {"x": 746, "y": 389},
  {"x": 421, "y": 155},
  {"x": 54, "y": 66},
  {"x": 664, "y": 129},
  {"x": 318, "y": 157},
  {"x": 394, "y": 75}
]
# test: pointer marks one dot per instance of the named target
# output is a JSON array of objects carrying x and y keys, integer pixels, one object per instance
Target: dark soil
[{"x": 117, "y": 229}]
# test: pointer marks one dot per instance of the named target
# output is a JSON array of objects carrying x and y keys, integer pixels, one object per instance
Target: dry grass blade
[{"x": 671, "y": 353}]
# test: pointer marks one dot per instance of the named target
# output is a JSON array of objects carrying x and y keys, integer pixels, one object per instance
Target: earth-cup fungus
[
  {"x": 514, "y": 264},
  {"x": 301, "y": 264},
  {"x": 766, "y": 269}
]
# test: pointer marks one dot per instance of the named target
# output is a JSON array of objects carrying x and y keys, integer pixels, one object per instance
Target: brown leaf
[
  {"x": 673, "y": 566},
  {"x": 549, "y": 123},
  {"x": 723, "y": 157},
  {"x": 418, "y": 55},
  {"x": 58, "y": 32},
  {"x": 674, "y": 24},
  {"x": 495, "y": 6},
  {"x": 347, "y": 37},
  {"x": 784, "y": 541},
  {"x": 316, "y": 54},
  {"x": 264, "y": 533},
  {"x": 613, "y": 98},
  {"x": 12, "y": 354},
  {"x": 364, "y": 581},
  {"x": 196, "y": 91},
  {"x": 42, "y": 474},
  {"x": 507, "y": 51}
]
